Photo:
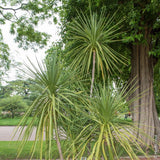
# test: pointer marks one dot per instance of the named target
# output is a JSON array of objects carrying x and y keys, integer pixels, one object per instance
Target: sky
[{"x": 19, "y": 55}]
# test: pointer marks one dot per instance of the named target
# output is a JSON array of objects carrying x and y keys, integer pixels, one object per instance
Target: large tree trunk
[{"x": 143, "y": 108}]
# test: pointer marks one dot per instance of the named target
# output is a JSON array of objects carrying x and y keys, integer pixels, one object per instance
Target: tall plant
[
  {"x": 56, "y": 94},
  {"x": 89, "y": 43},
  {"x": 107, "y": 132}
]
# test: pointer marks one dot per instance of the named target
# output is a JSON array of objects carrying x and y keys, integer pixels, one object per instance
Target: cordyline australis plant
[
  {"x": 50, "y": 106},
  {"x": 89, "y": 44},
  {"x": 107, "y": 133}
]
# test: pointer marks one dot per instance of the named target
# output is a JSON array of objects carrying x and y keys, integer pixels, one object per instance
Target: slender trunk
[
  {"x": 57, "y": 137},
  {"x": 58, "y": 144},
  {"x": 92, "y": 82},
  {"x": 56, "y": 131},
  {"x": 47, "y": 156},
  {"x": 13, "y": 114},
  {"x": 93, "y": 72},
  {"x": 144, "y": 111}
]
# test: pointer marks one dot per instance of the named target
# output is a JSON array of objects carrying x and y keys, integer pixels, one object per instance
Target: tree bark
[
  {"x": 93, "y": 72},
  {"x": 144, "y": 112}
]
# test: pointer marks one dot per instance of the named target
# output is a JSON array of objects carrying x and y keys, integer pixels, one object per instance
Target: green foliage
[
  {"x": 94, "y": 33},
  {"x": 28, "y": 36},
  {"x": 73, "y": 128},
  {"x": 4, "y": 56},
  {"x": 139, "y": 15},
  {"x": 24, "y": 88},
  {"x": 106, "y": 132},
  {"x": 13, "y": 104},
  {"x": 18, "y": 87},
  {"x": 24, "y": 17},
  {"x": 56, "y": 48}
]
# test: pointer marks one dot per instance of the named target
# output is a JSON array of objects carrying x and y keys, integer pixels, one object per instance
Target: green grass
[
  {"x": 10, "y": 121},
  {"x": 8, "y": 150}
]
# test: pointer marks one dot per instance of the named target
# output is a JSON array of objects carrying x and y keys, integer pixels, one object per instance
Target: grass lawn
[
  {"x": 10, "y": 121},
  {"x": 8, "y": 150}
]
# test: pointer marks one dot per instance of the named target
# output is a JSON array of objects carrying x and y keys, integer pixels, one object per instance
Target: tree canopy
[{"x": 23, "y": 17}]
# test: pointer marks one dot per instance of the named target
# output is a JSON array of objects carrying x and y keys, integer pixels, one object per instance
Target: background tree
[
  {"x": 26, "y": 90},
  {"x": 143, "y": 22},
  {"x": 23, "y": 17},
  {"x": 14, "y": 105}
]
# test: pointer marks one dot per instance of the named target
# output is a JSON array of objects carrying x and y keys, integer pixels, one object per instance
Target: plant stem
[
  {"x": 58, "y": 144},
  {"x": 93, "y": 72},
  {"x": 57, "y": 137},
  {"x": 56, "y": 131}
]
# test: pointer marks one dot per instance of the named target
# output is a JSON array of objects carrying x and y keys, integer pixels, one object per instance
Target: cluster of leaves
[
  {"x": 94, "y": 33},
  {"x": 4, "y": 56}
]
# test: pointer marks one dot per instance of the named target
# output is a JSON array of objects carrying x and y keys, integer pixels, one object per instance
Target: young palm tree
[
  {"x": 56, "y": 94},
  {"x": 107, "y": 132},
  {"x": 89, "y": 40}
]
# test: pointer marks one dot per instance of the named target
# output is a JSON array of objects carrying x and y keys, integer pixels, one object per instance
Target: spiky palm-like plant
[
  {"x": 89, "y": 44},
  {"x": 51, "y": 105},
  {"x": 107, "y": 131}
]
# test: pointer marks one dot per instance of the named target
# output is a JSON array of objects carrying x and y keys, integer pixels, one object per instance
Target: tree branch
[{"x": 13, "y": 9}]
